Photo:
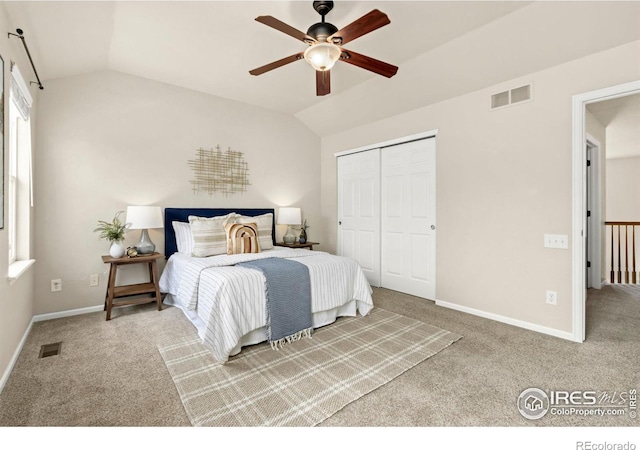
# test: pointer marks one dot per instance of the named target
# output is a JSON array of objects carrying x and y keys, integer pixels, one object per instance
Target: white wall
[
  {"x": 623, "y": 189},
  {"x": 623, "y": 160},
  {"x": 108, "y": 140},
  {"x": 623, "y": 205},
  {"x": 504, "y": 179}
]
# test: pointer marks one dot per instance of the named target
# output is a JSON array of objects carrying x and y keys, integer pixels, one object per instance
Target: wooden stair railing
[{"x": 621, "y": 231}]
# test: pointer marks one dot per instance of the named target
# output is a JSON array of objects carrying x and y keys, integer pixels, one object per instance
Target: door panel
[
  {"x": 359, "y": 211},
  {"x": 393, "y": 254},
  {"x": 348, "y": 247},
  {"x": 419, "y": 269},
  {"x": 367, "y": 198},
  {"x": 368, "y": 256},
  {"x": 408, "y": 218}
]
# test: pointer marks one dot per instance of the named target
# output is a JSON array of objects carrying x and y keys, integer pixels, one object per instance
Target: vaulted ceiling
[{"x": 442, "y": 48}]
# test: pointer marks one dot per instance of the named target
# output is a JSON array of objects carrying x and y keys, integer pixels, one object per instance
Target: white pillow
[
  {"x": 184, "y": 238},
  {"x": 209, "y": 236},
  {"x": 265, "y": 224}
]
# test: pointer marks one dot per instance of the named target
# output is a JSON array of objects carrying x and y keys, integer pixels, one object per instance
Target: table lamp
[
  {"x": 289, "y": 216},
  {"x": 143, "y": 218}
]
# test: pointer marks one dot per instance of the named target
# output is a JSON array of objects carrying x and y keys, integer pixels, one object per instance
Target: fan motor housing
[{"x": 321, "y": 31}]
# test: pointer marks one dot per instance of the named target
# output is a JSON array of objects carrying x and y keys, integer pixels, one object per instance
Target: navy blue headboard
[{"x": 182, "y": 215}]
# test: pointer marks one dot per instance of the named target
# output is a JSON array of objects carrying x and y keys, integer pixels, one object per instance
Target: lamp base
[
  {"x": 144, "y": 245},
  {"x": 289, "y": 237}
]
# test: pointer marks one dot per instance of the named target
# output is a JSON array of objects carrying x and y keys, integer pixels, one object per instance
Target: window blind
[{"x": 20, "y": 92}]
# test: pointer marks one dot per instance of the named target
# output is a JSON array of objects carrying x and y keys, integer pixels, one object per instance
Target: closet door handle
[
  {"x": 433, "y": 227},
  {"x": 339, "y": 222}
]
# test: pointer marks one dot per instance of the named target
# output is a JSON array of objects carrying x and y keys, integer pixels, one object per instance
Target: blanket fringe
[{"x": 306, "y": 333}]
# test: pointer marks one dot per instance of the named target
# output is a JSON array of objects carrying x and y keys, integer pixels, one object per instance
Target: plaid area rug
[{"x": 306, "y": 381}]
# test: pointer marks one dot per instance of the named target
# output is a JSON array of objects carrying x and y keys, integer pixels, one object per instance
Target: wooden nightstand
[
  {"x": 114, "y": 292},
  {"x": 307, "y": 244}
]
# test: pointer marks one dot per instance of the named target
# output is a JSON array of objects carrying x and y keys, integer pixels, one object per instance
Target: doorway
[{"x": 580, "y": 195}]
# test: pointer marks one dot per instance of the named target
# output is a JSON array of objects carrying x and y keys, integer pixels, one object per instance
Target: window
[
  {"x": 13, "y": 181},
  {"x": 19, "y": 164}
]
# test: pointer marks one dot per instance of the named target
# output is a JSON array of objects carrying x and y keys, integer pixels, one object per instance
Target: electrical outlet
[
  {"x": 94, "y": 280},
  {"x": 56, "y": 285},
  {"x": 552, "y": 297}
]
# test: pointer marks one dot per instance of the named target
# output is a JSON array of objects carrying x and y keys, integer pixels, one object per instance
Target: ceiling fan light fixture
[{"x": 322, "y": 56}]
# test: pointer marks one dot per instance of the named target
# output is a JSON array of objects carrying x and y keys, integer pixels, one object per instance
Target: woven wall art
[{"x": 218, "y": 171}]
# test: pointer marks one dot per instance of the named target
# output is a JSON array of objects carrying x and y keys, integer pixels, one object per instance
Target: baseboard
[
  {"x": 41, "y": 318},
  {"x": 14, "y": 358},
  {"x": 68, "y": 313},
  {"x": 509, "y": 321}
]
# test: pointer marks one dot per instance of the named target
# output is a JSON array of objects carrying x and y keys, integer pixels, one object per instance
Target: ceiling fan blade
[
  {"x": 323, "y": 82},
  {"x": 276, "y": 64},
  {"x": 365, "y": 24},
  {"x": 286, "y": 29},
  {"x": 366, "y": 62}
]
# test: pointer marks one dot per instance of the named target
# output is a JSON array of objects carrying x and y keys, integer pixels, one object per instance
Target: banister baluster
[
  {"x": 619, "y": 258},
  {"x": 612, "y": 276},
  {"x": 633, "y": 249},
  {"x": 626, "y": 254},
  {"x": 631, "y": 271}
]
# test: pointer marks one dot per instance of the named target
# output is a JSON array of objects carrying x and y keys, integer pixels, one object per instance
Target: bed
[{"x": 226, "y": 301}]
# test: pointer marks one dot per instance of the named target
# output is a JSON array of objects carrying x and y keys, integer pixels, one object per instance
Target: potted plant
[
  {"x": 114, "y": 233},
  {"x": 303, "y": 232}
]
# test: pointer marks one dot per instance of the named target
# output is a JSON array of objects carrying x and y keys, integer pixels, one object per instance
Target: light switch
[{"x": 556, "y": 241}]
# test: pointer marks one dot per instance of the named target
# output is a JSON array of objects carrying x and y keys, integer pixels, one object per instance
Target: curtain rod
[{"x": 20, "y": 35}]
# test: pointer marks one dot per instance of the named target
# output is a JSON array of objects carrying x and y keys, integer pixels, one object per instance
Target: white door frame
[
  {"x": 579, "y": 208},
  {"x": 597, "y": 224},
  {"x": 402, "y": 140}
]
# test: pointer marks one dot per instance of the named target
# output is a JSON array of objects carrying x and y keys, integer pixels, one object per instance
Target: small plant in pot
[{"x": 114, "y": 233}]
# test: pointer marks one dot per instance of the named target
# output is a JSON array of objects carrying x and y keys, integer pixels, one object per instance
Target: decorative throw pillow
[
  {"x": 184, "y": 238},
  {"x": 209, "y": 237},
  {"x": 265, "y": 224},
  {"x": 242, "y": 238}
]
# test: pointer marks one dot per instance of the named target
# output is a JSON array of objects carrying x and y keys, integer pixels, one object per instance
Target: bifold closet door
[
  {"x": 408, "y": 218},
  {"x": 359, "y": 211}
]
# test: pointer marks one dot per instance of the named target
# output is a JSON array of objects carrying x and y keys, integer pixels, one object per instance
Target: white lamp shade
[
  {"x": 289, "y": 216},
  {"x": 322, "y": 56},
  {"x": 144, "y": 217}
]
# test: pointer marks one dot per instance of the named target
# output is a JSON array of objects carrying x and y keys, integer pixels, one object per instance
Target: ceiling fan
[{"x": 325, "y": 45}]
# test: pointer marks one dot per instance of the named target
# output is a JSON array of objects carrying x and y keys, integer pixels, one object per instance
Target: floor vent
[
  {"x": 506, "y": 98},
  {"x": 50, "y": 350}
]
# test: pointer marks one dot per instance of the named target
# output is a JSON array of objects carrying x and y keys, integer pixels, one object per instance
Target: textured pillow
[
  {"x": 209, "y": 237},
  {"x": 184, "y": 238},
  {"x": 265, "y": 224},
  {"x": 242, "y": 238}
]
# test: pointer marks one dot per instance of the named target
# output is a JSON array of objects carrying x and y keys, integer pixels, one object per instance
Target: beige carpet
[
  {"x": 305, "y": 382},
  {"x": 110, "y": 374}
]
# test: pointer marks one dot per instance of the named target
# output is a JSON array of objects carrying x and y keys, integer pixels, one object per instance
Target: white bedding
[{"x": 227, "y": 303}]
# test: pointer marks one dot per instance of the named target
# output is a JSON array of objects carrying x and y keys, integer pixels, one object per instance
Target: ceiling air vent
[{"x": 510, "y": 97}]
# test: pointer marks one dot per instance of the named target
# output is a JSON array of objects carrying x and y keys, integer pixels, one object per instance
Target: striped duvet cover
[{"x": 230, "y": 302}]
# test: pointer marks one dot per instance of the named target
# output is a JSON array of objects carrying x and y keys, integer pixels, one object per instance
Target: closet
[{"x": 387, "y": 215}]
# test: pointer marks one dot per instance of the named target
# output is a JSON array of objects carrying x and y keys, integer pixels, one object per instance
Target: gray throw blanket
[{"x": 288, "y": 293}]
